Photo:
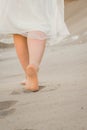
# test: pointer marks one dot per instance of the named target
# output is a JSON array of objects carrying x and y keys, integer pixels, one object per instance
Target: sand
[{"x": 61, "y": 103}]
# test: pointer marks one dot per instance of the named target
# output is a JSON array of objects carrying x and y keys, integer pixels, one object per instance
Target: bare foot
[
  {"x": 23, "y": 82},
  {"x": 32, "y": 79}
]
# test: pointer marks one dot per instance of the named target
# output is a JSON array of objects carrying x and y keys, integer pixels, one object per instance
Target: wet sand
[{"x": 61, "y": 102}]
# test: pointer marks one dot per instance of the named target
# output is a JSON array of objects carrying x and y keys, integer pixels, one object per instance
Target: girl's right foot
[
  {"x": 32, "y": 79},
  {"x": 25, "y": 80}
]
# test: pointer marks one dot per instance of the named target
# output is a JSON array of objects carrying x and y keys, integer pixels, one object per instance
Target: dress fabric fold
[{"x": 38, "y": 19}]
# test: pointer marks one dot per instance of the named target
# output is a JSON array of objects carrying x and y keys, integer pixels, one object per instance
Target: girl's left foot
[
  {"x": 32, "y": 79},
  {"x": 23, "y": 82}
]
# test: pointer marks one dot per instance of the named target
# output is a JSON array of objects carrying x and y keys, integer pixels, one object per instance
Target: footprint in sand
[
  {"x": 5, "y": 108},
  {"x": 51, "y": 87},
  {"x": 6, "y": 113},
  {"x": 16, "y": 92},
  {"x": 25, "y": 129},
  {"x": 24, "y": 91},
  {"x": 7, "y": 104},
  {"x": 46, "y": 88}
]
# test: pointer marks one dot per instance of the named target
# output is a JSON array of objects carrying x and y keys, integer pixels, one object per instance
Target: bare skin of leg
[
  {"x": 36, "y": 51},
  {"x": 22, "y": 51}
]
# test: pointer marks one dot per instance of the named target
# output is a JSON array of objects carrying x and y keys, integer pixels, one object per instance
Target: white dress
[{"x": 39, "y": 19}]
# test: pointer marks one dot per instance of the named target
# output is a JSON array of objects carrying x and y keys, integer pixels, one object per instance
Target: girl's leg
[
  {"x": 22, "y": 50},
  {"x": 36, "y": 51}
]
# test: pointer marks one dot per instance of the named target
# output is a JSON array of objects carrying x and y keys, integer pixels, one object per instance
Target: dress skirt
[{"x": 38, "y": 19}]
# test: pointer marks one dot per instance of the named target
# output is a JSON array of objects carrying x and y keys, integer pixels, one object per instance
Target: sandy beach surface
[{"x": 61, "y": 103}]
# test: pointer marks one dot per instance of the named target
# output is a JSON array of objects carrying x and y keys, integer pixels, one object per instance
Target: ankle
[{"x": 35, "y": 66}]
